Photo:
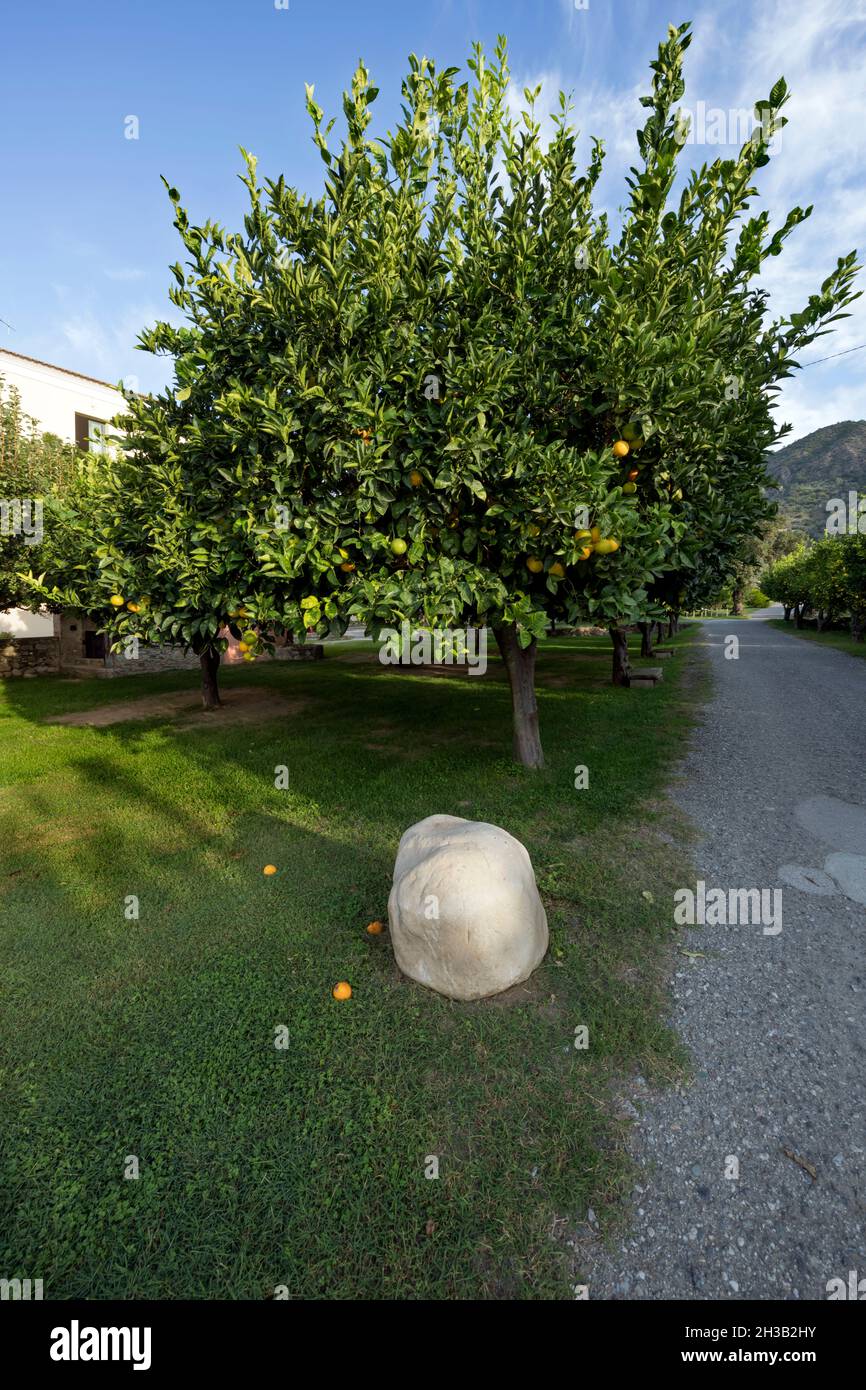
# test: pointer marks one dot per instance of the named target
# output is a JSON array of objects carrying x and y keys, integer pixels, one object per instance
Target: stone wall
[
  {"x": 29, "y": 656},
  {"x": 77, "y": 650}
]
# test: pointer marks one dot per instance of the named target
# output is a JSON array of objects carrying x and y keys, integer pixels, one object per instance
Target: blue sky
[{"x": 86, "y": 226}]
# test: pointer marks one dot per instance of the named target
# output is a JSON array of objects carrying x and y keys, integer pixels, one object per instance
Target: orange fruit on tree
[
  {"x": 534, "y": 565},
  {"x": 606, "y": 547},
  {"x": 620, "y": 448},
  {"x": 595, "y": 534},
  {"x": 629, "y": 488},
  {"x": 347, "y": 567},
  {"x": 557, "y": 570},
  {"x": 586, "y": 552},
  {"x": 415, "y": 478},
  {"x": 116, "y": 601},
  {"x": 633, "y": 474},
  {"x": 134, "y": 607},
  {"x": 343, "y": 990}
]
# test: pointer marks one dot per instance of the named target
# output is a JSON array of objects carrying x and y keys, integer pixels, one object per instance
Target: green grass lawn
[
  {"x": 305, "y": 1166},
  {"x": 842, "y": 641}
]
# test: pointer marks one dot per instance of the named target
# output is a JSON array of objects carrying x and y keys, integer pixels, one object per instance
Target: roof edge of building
[{"x": 67, "y": 371}]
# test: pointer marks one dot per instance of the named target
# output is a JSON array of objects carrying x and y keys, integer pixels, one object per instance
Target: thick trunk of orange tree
[
  {"x": 621, "y": 668},
  {"x": 520, "y": 665}
]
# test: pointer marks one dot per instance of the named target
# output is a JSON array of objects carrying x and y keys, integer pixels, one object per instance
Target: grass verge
[{"x": 842, "y": 641}]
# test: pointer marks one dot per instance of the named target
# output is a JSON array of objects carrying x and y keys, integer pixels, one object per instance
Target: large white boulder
[{"x": 465, "y": 915}]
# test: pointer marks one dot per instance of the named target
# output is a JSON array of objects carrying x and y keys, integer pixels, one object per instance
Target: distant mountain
[{"x": 830, "y": 462}]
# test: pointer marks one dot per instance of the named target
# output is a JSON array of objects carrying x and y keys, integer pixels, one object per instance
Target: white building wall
[
  {"x": 53, "y": 396},
  {"x": 20, "y": 622}
]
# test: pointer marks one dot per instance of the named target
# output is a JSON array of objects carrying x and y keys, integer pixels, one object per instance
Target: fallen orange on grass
[
  {"x": 375, "y": 928},
  {"x": 342, "y": 991},
  {"x": 269, "y": 869}
]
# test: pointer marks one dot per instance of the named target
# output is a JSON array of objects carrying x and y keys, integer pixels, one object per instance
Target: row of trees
[
  {"x": 826, "y": 577},
  {"x": 444, "y": 392}
]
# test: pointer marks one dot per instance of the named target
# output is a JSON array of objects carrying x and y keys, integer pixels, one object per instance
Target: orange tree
[
  {"x": 827, "y": 576},
  {"x": 442, "y": 392}
]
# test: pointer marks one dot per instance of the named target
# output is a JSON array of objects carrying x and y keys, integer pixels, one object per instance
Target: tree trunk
[
  {"x": 209, "y": 661},
  {"x": 857, "y": 625},
  {"x": 819, "y": 620},
  {"x": 798, "y": 614},
  {"x": 520, "y": 665},
  {"x": 621, "y": 668},
  {"x": 737, "y": 603},
  {"x": 660, "y": 632},
  {"x": 646, "y": 638},
  {"x": 670, "y": 631},
  {"x": 787, "y": 613}
]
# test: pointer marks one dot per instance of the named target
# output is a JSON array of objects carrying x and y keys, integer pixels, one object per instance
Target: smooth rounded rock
[{"x": 465, "y": 915}]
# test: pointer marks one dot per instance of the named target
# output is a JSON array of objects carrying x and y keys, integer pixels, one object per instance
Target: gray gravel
[{"x": 776, "y": 1024}]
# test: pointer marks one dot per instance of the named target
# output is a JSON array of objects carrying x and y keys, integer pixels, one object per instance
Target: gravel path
[{"x": 775, "y": 783}]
